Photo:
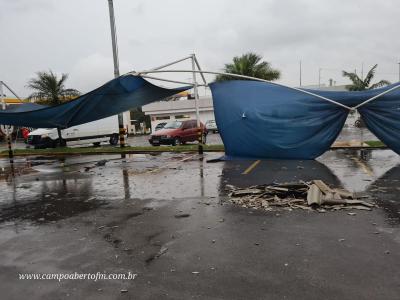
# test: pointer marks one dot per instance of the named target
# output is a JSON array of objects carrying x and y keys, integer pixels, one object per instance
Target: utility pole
[
  {"x": 319, "y": 77},
  {"x": 196, "y": 103},
  {"x": 116, "y": 69},
  {"x": 300, "y": 72},
  {"x": 362, "y": 71},
  {"x": 399, "y": 71}
]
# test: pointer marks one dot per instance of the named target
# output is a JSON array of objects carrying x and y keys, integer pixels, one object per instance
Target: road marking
[
  {"x": 251, "y": 167},
  {"x": 363, "y": 166}
]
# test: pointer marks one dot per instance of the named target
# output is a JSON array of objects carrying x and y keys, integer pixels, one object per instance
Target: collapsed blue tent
[
  {"x": 265, "y": 120},
  {"x": 116, "y": 96},
  {"x": 255, "y": 119}
]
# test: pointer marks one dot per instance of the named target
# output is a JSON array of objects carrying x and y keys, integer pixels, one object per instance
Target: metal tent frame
[{"x": 145, "y": 73}]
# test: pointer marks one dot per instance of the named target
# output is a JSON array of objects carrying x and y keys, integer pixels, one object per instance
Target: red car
[{"x": 178, "y": 132}]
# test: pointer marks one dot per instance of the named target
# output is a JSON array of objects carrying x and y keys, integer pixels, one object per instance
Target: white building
[{"x": 165, "y": 111}]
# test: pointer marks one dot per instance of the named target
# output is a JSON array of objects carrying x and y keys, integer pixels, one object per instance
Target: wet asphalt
[{"x": 166, "y": 218}]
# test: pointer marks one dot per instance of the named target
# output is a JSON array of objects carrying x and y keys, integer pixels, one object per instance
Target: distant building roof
[{"x": 180, "y": 106}]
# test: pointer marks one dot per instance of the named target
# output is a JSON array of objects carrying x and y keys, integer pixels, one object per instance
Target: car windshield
[{"x": 173, "y": 125}]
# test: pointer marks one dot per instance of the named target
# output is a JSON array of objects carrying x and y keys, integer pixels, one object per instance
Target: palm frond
[
  {"x": 370, "y": 75},
  {"x": 49, "y": 88},
  {"x": 249, "y": 64},
  {"x": 379, "y": 84}
]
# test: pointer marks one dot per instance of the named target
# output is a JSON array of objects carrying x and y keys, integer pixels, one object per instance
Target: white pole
[
  {"x": 319, "y": 77},
  {"x": 196, "y": 103},
  {"x": 12, "y": 92},
  {"x": 196, "y": 96},
  {"x": 399, "y": 71},
  {"x": 377, "y": 96},
  {"x": 198, "y": 67},
  {"x": 300, "y": 72},
  {"x": 171, "y": 63},
  {"x": 116, "y": 69}
]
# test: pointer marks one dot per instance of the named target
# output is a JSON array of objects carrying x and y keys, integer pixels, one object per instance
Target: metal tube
[
  {"x": 198, "y": 66},
  {"x": 377, "y": 96},
  {"x": 300, "y": 72},
  {"x": 169, "y": 80},
  {"x": 116, "y": 69},
  {"x": 10, "y": 90},
  {"x": 172, "y": 63},
  {"x": 399, "y": 71},
  {"x": 196, "y": 104},
  {"x": 319, "y": 77},
  {"x": 245, "y": 77}
]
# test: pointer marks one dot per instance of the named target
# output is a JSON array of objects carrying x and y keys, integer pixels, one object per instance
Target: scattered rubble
[{"x": 315, "y": 195}]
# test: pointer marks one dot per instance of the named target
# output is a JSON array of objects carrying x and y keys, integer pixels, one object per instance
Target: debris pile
[{"x": 314, "y": 195}]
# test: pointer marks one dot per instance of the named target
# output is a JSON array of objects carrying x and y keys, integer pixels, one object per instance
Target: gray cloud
[{"x": 74, "y": 37}]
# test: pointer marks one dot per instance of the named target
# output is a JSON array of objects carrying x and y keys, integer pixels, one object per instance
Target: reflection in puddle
[
  {"x": 55, "y": 200},
  {"x": 385, "y": 190},
  {"x": 52, "y": 189}
]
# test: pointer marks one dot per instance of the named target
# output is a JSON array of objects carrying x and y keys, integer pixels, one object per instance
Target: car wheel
[
  {"x": 176, "y": 141},
  {"x": 56, "y": 143},
  {"x": 97, "y": 144},
  {"x": 114, "y": 139}
]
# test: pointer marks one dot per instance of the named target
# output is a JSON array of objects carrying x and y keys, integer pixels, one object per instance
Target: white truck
[{"x": 96, "y": 132}]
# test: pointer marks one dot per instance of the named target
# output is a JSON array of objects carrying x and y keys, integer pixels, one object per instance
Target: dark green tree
[
  {"x": 49, "y": 89},
  {"x": 361, "y": 84},
  {"x": 249, "y": 64}
]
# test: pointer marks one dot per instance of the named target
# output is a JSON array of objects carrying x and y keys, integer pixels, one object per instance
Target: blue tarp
[
  {"x": 116, "y": 96},
  {"x": 255, "y": 119},
  {"x": 263, "y": 120}
]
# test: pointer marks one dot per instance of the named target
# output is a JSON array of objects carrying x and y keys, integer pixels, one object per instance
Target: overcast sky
[{"x": 73, "y": 36}]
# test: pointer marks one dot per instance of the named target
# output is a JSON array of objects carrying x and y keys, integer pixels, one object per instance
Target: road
[
  {"x": 347, "y": 134},
  {"x": 166, "y": 218}
]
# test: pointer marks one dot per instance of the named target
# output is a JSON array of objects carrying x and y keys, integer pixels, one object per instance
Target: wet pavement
[{"x": 165, "y": 217}]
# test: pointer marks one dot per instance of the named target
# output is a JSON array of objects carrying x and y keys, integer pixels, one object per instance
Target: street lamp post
[
  {"x": 399, "y": 71},
  {"x": 116, "y": 69}
]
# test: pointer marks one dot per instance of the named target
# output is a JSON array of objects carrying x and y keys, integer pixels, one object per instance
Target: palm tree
[
  {"x": 49, "y": 89},
  {"x": 249, "y": 64},
  {"x": 360, "y": 84}
]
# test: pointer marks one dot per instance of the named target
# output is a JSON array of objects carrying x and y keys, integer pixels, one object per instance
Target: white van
[{"x": 96, "y": 132}]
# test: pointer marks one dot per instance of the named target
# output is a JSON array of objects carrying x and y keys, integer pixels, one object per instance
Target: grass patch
[
  {"x": 375, "y": 144},
  {"x": 106, "y": 150}
]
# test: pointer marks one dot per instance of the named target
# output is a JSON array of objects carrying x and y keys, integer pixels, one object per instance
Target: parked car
[
  {"x": 178, "y": 132},
  {"x": 211, "y": 126},
  {"x": 25, "y": 133},
  {"x": 103, "y": 130},
  {"x": 160, "y": 126}
]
